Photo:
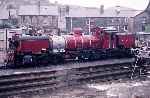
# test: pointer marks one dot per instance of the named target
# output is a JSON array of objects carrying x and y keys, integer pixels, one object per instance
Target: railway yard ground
[
  {"x": 115, "y": 89},
  {"x": 113, "y": 78}
]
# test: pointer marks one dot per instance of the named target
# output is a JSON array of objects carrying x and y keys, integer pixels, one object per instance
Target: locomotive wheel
[
  {"x": 35, "y": 63},
  {"x": 42, "y": 61},
  {"x": 57, "y": 59},
  {"x": 10, "y": 65},
  {"x": 81, "y": 57},
  {"x": 17, "y": 62},
  {"x": 92, "y": 57}
]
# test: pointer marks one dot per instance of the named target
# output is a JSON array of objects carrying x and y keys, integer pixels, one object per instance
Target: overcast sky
[{"x": 136, "y": 4}]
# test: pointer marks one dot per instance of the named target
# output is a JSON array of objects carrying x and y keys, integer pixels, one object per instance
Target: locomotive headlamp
[{"x": 43, "y": 49}]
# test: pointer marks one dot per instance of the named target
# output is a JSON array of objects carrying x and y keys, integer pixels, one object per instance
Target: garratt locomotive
[{"x": 43, "y": 50}]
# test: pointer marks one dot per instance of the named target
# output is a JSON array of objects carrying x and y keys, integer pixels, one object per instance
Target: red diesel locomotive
[{"x": 43, "y": 50}]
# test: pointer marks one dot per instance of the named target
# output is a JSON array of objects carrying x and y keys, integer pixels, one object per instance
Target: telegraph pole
[
  {"x": 39, "y": 12},
  {"x": 39, "y": 5},
  {"x": 71, "y": 23},
  {"x": 9, "y": 19},
  {"x": 6, "y": 38},
  {"x": 89, "y": 20}
]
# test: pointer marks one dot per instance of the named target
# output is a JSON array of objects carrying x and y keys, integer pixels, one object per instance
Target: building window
[
  {"x": 143, "y": 19},
  {"x": 143, "y": 28},
  {"x": 126, "y": 27}
]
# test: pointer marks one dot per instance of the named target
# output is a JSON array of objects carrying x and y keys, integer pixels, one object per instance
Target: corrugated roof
[{"x": 34, "y": 10}]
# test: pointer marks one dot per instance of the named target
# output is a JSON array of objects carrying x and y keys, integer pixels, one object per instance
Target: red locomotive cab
[
  {"x": 131, "y": 41},
  {"x": 126, "y": 40},
  {"x": 109, "y": 38}
]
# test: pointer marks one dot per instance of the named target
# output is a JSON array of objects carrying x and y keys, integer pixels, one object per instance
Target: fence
[
  {"x": 5, "y": 34},
  {"x": 3, "y": 42},
  {"x": 2, "y": 57}
]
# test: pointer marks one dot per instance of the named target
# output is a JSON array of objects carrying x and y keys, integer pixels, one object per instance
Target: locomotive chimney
[
  {"x": 96, "y": 31},
  {"x": 101, "y": 9}
]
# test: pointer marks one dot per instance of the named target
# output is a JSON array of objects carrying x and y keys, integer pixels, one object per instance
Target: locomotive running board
[{"x": 100, "y": 63}]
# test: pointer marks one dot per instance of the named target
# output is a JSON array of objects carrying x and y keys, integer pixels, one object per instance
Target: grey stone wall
[
  {"x": 140, "y": 22},
  {"x": 42, "y": 21}
]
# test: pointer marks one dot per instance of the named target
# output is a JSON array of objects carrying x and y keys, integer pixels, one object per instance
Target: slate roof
[
  {"x": 77, "y": 11},
  {"x": 74, "y": 11},
  {"x": 119, "y": 11},
  {"x": 116, "y": 11}
]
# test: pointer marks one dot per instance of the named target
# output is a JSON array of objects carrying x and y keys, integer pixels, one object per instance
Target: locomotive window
[
  {"x": 16, "y": 44},
  {"x": 112, "y": 36}
]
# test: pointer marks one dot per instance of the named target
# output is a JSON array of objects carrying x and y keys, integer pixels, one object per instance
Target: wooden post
[{"x": 89, "y": 25}]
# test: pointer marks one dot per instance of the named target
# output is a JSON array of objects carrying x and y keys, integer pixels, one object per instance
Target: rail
[{"x": 68, "y": 75}]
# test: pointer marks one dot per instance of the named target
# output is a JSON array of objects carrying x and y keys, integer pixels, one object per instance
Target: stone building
[
  {"x": 140, "y": 22},
  {"x": 122, "y": 18},
  {"x": 41, "y": 13},
  {"x": 39, "y": 16},
  {"x": 10, "y": 8},
  {"x": 143, "y": 20}
]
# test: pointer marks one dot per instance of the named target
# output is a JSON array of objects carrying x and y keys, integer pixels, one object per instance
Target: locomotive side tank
[
  {"x": 32, "y": 44},
  {"x": 92, "y": 42},
  {"x": 27, "y": 49},
  {"x": 82, "y": 46},
  {"x": 74, "y": 41},
  {"x": 80, "y": 42}
]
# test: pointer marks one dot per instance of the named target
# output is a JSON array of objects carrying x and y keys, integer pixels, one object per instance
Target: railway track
[{"x": 63, "y": 76}]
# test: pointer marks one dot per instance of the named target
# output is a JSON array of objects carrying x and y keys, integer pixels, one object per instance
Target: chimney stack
[
  {"x": 56, "y": 2},
  {"x": 117, "y": 10},
  {"x": 101, "y": 9}
]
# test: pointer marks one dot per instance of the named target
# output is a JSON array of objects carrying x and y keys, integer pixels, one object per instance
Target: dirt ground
[{"x": 128, "y": 89}]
